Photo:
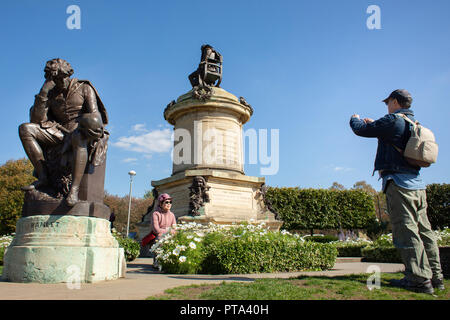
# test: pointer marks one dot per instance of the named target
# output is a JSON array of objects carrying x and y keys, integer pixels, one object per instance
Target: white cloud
[
  {"x": 148, "y": 142},
  {"x": 338, "y": 168},
  {"x": 342, "y": 169},
  {"x": 140, "y": 127},
  {"x": 127, "y": 160}
]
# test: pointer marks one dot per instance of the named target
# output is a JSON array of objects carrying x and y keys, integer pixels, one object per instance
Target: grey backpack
[{"x": 421, "y": 149}]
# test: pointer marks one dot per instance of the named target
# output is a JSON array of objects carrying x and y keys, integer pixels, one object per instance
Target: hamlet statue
[
  {"x": 65, "y": 225},
  {"x": 65, "y": 133}
]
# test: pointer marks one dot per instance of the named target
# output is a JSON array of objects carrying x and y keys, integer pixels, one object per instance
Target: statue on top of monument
[
  {"x": 209, "y": 71},
  {"x": 65, "y": 132}
]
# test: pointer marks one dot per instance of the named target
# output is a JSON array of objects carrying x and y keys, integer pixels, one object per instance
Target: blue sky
[{"x": 304, "y": 66}]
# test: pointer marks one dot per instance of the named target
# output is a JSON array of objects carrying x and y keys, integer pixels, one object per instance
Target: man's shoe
[
  {"x": 419, "y": 287},
  {"x": 438, "y": 283}
]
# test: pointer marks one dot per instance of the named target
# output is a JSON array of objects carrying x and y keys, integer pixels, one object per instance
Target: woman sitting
[{"x": 162, "y": 217}]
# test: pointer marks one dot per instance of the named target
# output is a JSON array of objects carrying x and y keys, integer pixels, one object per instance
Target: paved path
[{"x": 143, "y": 281}]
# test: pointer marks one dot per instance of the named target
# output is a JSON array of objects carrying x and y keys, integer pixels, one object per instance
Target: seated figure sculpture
[
  {"x": 65, "y": 132},
  {"x": 209, "y": 70}
]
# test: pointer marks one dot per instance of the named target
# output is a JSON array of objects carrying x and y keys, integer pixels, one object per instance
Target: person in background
[
  {"x": 112, "y": 218},
  {"x": 162, "y": 219}
]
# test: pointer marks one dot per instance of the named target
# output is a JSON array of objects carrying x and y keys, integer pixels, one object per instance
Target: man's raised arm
[
  {"x": 372, "y": 129},
  {"x": 38, "y": 112}
]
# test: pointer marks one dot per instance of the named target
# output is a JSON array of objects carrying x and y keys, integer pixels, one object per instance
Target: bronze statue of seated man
[{"x": 69, "y": 117}]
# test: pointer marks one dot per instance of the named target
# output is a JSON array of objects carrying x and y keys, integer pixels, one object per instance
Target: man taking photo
[{"x": 405, "y": 194}]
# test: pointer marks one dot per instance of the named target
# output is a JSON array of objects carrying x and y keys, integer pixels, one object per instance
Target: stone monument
[
  {"x": 208, "y": 183},
  {"x": 64, "y": 233}
]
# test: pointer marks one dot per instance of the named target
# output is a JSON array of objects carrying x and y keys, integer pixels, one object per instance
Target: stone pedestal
[
  {"x": 91, "y": 196},
  {"x": 55, "y": 249},
  {"x": 208, "y": 143}
]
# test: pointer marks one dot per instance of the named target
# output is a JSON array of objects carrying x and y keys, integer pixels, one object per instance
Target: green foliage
[
  {"x": 216, "y": 249},
  {"x": 351, "y": 248},
  {"x": 377, "y": 228},
  {"x": 383, "y": 250},
  {"x": 5, "y": 241},
  {"x": 120, "y": 207},
  {"x": 308, "y": 209},
  {"x": 381, "y": 254},
  {"x": 443, "y": 237},
  {"x": 131, "y": 247},
  {"x": 14, "y": 174},
  {"x": 321, "y": 239},
  {"x": 438, "y": 199},
  {"x": 318, "y": 287}
]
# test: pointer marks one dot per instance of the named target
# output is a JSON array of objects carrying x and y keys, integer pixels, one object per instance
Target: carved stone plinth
[
  {"x": 54, "y": 249},
  {"x": 208, "y": 183}
]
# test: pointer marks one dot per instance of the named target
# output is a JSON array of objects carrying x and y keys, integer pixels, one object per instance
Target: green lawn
[{"x": 351, "y": 287}]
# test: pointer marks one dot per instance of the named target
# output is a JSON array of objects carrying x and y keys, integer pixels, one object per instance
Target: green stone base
[{"x": 55, "y": 249}]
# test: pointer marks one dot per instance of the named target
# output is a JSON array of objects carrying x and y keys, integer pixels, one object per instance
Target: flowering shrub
[
  {"x": 5, "y": 241},
  {"x": 385, "y": 240},
  {"x": 245, "y": 248},
  {"x": 383, "y": 250},
  {"x": 351, "y": 248},
  {"x": 443, "y": 237},
  {"x": 130, "y": 247}
]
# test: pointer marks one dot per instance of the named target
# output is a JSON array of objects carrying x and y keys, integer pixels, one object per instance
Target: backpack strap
[
  {"x": 398, "y": 149},
  {"x": 403, "y": 116},
  {"x": 407, "y": 119}
]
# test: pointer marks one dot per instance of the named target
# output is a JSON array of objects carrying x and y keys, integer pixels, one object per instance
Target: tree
[
  {"x": 379, "y": 199},
  {"x": 363, "y": 185},
  {"x": 148, "y": 194},
  {"x": 120, "y": 207},
  {"x": 438, "y": 199},
  {"x": 14, "y": 174},
  {"x": 337, "y": 186}
]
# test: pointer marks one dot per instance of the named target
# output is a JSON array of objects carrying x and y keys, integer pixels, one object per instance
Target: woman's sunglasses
[{"x": 167, "y": 202}]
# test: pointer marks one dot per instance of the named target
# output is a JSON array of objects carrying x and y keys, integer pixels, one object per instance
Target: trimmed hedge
[
  {"x": 308, "y": 209},
  {"x": 2, "y": 254},
  {"x": 438, "y": 199},
  {"x": 321, "y": 239},
  {"x": 381, "y": 254},
  {"x": 350, "y": 250},
  {"x": 237, "y": 255}
]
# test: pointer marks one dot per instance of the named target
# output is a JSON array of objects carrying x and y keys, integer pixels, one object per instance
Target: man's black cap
[{"x": 403, "y": 97}]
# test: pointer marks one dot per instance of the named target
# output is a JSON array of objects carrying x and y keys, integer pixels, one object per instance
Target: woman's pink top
[{"x": 162, "y": 221}]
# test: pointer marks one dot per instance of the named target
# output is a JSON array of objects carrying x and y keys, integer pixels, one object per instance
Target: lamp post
[{"x": 131, "y": 173}]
